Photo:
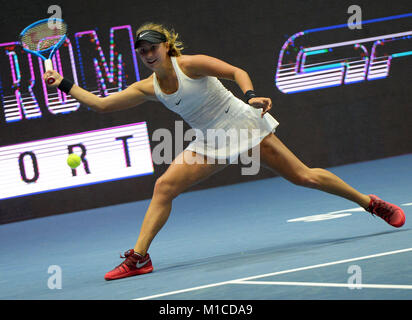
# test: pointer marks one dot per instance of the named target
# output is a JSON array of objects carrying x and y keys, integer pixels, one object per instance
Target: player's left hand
[{"x": 260, "y": 102}]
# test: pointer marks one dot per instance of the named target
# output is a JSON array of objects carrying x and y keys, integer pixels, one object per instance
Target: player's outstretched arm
[{"x": 132, "y": 96}]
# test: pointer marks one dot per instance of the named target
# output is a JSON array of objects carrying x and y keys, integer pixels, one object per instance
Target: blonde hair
[{"x": 175, "y": 46}]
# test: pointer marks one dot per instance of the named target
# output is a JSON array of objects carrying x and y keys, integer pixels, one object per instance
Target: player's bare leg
[
  {"x": 178, "y": 177},
  {"x": 278, "y": 157},
  {"x": 186, "y": 170}
]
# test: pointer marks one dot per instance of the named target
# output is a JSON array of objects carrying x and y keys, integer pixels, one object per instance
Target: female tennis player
[{"x": 189, "y": 85}]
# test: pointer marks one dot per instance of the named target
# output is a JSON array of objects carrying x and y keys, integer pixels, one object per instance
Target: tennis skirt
[{"x": 234, "y": 131}]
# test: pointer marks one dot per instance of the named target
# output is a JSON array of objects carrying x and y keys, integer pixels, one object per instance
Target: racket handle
[{"x": 48, "y": 65}]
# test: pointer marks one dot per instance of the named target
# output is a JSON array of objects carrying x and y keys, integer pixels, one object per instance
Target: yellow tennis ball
[{"x": 73, "y": 160}]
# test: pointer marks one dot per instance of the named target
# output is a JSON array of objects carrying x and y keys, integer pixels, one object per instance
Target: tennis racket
[{"x": 43, "y": 38}]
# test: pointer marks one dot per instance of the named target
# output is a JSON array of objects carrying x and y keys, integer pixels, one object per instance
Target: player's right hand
[{"x": 52, "y": 74}]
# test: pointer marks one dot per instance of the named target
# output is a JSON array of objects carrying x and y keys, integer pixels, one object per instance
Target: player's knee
[
  {"x": 165, "y": 189},
  {"x": 308, "y": 178}
]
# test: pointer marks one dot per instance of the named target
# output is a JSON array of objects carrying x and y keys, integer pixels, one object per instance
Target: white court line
[
  {"x": 327, "y": 284},
  {"x": 407, "y": 204},
  {"x": 273, "y": 274}
]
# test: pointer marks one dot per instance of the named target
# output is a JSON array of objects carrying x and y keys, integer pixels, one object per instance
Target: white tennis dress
[{"x": 224, "y": 126}]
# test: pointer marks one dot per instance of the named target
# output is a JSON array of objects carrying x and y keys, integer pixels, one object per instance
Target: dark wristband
[
  {"x": 65, "y": 85},
  {"x": 249, "y": 95}
]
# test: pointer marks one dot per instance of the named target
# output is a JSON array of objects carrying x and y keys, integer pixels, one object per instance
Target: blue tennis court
[{"x": 261, "y": 240}]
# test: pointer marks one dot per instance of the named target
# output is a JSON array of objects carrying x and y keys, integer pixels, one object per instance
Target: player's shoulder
[
  {"x": 189, "y": 63},
  {"x": 188, "y": 60}
]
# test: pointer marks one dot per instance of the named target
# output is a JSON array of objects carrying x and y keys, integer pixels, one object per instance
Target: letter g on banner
[{"x": 306, "y": 64}]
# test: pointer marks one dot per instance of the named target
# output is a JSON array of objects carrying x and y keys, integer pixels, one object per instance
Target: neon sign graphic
[
  {"x": 23, "y": 93},
  {"x": 301, "y": 67}
]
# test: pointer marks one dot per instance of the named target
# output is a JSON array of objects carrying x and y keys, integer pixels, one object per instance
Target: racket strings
[{"x": 43, "y": 36}]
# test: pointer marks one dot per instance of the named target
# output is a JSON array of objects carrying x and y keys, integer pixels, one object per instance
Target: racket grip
[{"x": 48, "y": 65}]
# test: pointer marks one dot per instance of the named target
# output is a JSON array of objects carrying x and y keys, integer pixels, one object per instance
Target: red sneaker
[
  {"x": 389, "y": 212},
  {"x": 133, "y": 265}
]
